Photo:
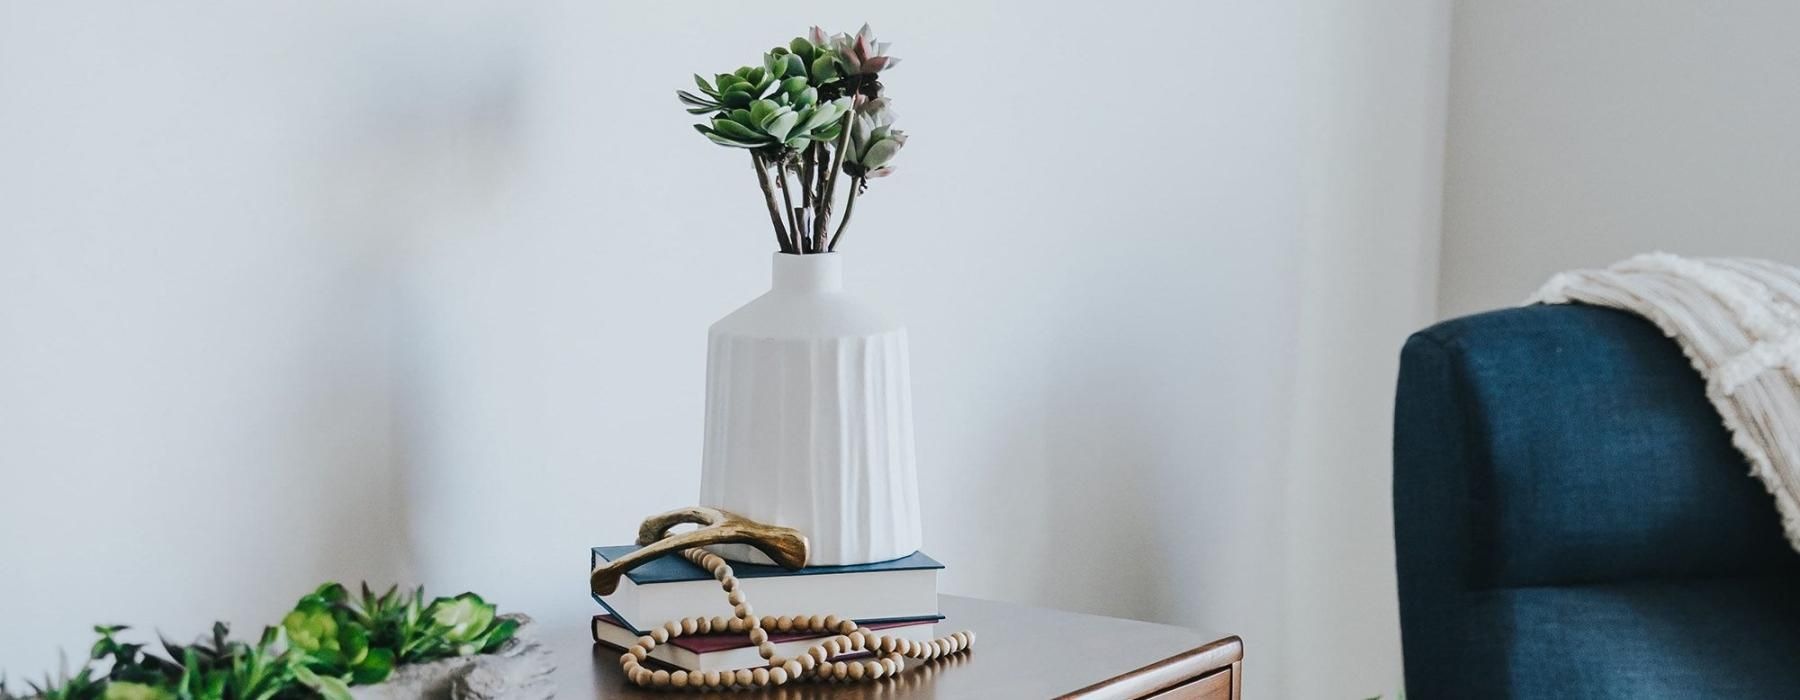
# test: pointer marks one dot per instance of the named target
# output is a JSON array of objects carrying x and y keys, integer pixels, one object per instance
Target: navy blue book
[{"x": 672, "y": 587}]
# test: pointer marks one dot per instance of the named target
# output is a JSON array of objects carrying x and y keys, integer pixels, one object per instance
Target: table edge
[{"x": 1169, "y": 672}]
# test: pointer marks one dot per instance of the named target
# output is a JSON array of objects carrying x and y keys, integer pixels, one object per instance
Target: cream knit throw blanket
[{"x": 1738, "y": 321}]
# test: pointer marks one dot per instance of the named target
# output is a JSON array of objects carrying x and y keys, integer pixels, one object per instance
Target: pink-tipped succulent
[
  {"x": 873, "y": 140},
  {"x": 861, "y": 54},
  {"x": 812, "y": 111}
]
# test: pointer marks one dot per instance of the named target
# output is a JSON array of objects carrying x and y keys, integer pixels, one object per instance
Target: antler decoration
[{"x": 784, "y": 545}]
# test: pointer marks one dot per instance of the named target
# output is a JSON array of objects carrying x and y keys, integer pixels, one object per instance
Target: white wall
[
  {"x": 1584, "y": 132},
  {"x": 422, "y": 295},
  {"x": 206, "y": 213}
]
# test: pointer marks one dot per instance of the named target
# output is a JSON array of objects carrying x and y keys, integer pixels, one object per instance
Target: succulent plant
[
  {"x": 126, "y": 690},
  {"x": 469, "y": 625},
  {"x": 80, "y": 685},
  {"x": 790, "y": 122},
  {"x": 230, "y": 670},
  {"x": 873, "y": 141},
  {"x": 328, "y": 643},
  {"x": 794, "y": 115},
  {"x": 861, "y": 54},
  {"x": 727, "y": 91},
  {"x": 334, "y": 644}
]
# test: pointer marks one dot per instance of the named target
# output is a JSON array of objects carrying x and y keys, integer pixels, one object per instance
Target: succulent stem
[
  {"x": 849, "y": 208},
  {"x": 787, "y": 201},
  {"x": 837, "y": 164},
  {"x": 821, "y": 166},
  {"x": 809, "y": 161},
  {"x": 762, "y": 178}
]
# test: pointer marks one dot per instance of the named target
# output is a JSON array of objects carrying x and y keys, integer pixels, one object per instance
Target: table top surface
[{"x": 1020, "y": 652}]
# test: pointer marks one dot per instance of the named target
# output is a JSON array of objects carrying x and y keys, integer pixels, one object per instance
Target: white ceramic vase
[{"x": 809, "y": 418}]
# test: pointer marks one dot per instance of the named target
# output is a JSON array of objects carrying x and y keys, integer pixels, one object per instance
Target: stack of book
[{"x": 897, "y": 598}]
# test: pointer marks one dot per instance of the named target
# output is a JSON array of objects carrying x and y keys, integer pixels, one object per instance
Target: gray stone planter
[{"x": 519, "y": 670}]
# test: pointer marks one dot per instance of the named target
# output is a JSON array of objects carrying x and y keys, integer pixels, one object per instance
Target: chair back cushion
[{"x": 1572, "y": 444}]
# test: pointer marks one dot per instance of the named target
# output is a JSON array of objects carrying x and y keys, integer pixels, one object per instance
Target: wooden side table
[{"x": 1020, "y": 652}]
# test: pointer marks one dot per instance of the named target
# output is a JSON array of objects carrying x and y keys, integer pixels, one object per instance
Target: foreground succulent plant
[
  {"x": 794, "y": 114},
  {"x": 469, "y": 625},
  {"x": 328, "y": 643},
  {"x": 334, "y": 644}
]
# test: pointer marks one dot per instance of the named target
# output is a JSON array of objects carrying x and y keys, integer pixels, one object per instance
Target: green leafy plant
[
  {"x": 329, "y": 642},
  {"x": 333, "y": 643},
  {"x": 416, "y": 631},
  {"x": 223, "y": 669},
  {"x": 80, "y": 685},
  {"x": 796, "y": 115}
]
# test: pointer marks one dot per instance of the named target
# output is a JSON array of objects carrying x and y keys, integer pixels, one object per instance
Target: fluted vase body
[{"x": 809, "y": 418}]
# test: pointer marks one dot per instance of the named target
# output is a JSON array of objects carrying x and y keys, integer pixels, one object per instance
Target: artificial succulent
[
  {"x": 873, "y": 141},
  {"x": 328, "y": 643},
  {"x": 861, "y": 54},
  {"x": 794, "y": 113}
]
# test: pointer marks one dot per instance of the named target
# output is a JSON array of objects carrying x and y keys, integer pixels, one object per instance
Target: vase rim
[{"x": 793, "y": 271}]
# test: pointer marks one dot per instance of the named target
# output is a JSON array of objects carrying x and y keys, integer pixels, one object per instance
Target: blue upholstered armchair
[{"x": 1572, "y": 521}]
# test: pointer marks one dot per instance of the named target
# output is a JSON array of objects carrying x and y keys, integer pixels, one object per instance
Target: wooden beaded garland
[{"x": 815, "y": 663}]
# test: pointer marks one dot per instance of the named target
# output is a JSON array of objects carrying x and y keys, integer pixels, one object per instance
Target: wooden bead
[{"x": 846, "y": 638}]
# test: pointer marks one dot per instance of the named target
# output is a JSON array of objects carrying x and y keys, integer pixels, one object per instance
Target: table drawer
[{"x": 1213, "y": 686}]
